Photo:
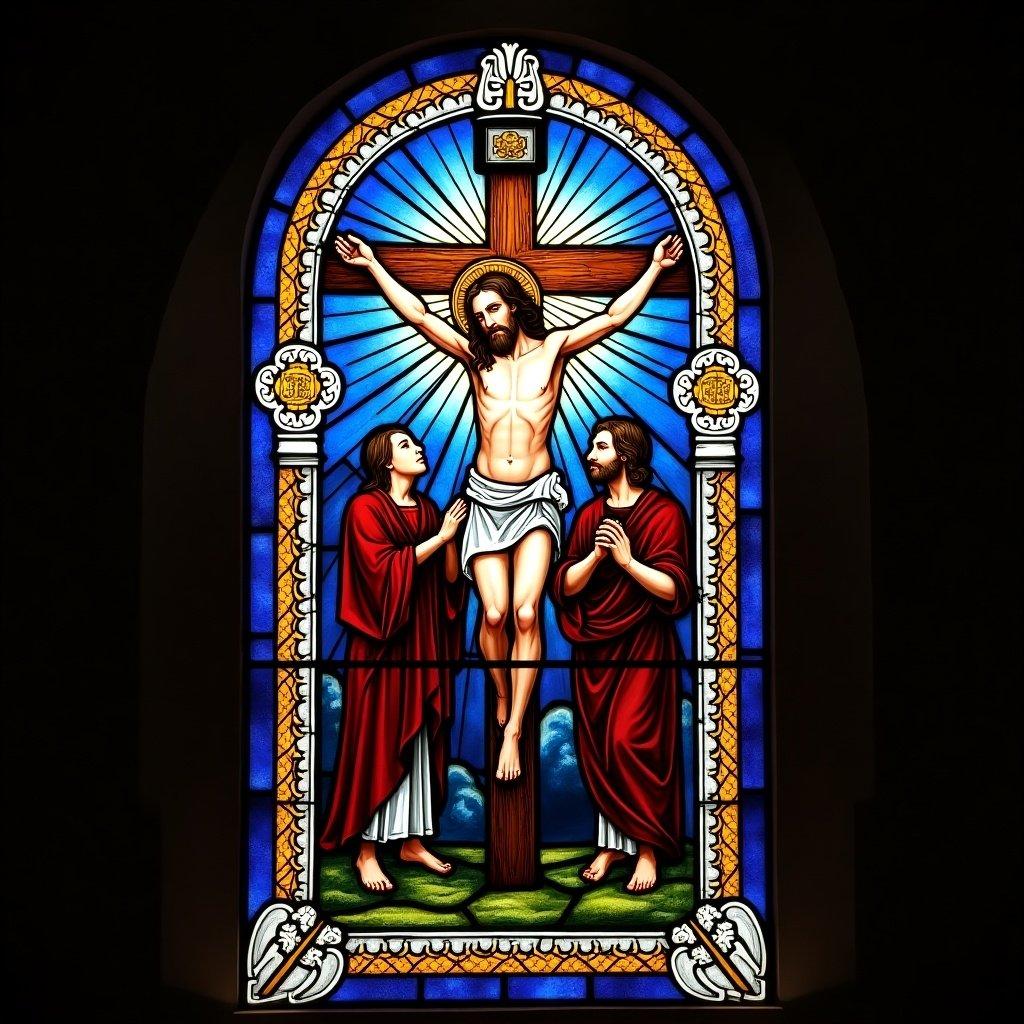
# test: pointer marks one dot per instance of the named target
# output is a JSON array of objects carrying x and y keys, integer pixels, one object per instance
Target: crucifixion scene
[{"x": 507, "y": 507}]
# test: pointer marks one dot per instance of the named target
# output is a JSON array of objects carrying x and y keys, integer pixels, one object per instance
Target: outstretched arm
[
  {"x": 356, "y": 253},
  {"x": 586, "y": 332}
]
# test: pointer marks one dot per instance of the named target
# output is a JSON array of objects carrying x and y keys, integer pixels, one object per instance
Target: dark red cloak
[
  {"x": 396, "y": 611},
  {"x": 628, "y": 718}
]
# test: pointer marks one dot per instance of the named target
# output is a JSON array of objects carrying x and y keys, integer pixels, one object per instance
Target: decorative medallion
[
  {"x": 716, "y": 391},
  {"x": 298, "y": 387}
]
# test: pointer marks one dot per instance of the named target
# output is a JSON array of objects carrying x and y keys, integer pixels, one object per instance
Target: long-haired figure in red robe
[
  {"x": 624, "y": 579},
  {"x": 401, "y": 596}
]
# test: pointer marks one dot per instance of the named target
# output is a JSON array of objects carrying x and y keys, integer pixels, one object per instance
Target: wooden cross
[{"x": 513, "y": 810}]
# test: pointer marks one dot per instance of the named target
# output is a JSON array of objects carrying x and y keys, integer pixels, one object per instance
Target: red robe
[
  {"x": 628, "y": 727},
  {"x": 396, "y": 611}
]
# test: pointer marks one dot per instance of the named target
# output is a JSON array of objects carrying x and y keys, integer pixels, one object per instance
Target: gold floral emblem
[
  {"x": 510, "y": 145},
  {"x": 716, "y": 390},
  {"x": 298, "y": 387}
]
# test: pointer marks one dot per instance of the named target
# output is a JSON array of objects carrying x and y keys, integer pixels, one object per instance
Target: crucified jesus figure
[{"x": 515, "y": 497}]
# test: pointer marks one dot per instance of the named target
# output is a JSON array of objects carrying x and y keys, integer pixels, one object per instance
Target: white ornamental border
[{"x": 711, "y": 459}]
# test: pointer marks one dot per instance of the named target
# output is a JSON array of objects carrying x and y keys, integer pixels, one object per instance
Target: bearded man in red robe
[
  {"x": 623, "y": 580},
  {"x": 401, "y": 595}
]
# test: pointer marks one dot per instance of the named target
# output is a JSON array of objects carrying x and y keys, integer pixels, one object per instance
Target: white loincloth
[
  {"x": 500, "y": 514},
  {"x": 408, "y": 811}
]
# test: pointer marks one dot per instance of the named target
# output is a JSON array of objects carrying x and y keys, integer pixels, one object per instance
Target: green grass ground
[{"x": 464, "y": 900}]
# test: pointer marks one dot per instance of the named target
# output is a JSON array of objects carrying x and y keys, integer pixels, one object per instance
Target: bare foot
[
  {"x": 414, "y": 851},
  {"x": 508, "y": 758},
  {"x": 600, "y": 864},
  {"x": 502, "y": 710},
  {"x": 645, "y": 876},
  {"x": 371, "y": 874}
]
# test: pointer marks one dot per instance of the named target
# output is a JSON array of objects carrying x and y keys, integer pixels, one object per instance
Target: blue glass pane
[
  {"x": 261, "y": 469},
  {"x": 649, "y": 987},
  {"x": 374, "y": 95},
  {"x": 264, "y": 284},
  {"x": 605, "y": 77},
  {"x": 684, "y": 626},
  {"x": 659, "y": 111},
  {"x": 424, "y": 191},
  {"x": 448, "y": 64},
  {"x": 552, "y": 60},
  {"x": 750, "y": 466},
  {"x": 262, "y": 650},
  {"x": 751, "y": 597},
  {"x": 330, "y": 721},
  {"x": 262, "y": 720},
  {"x": 462, "y": 988},
  {"x": 711, "y": 170},
  {"x": 307, "y": 158},
  {"x": 688, "y": 762},
  {"x": 467, "y": 742},
  {"x": 566, "y": 814},
  {"x": 261, "y": 582},
  {"x": 752, "y": 728},
  {"x": 264, "y": 332},
  {"x": 750, "y": 336},
  {"x": 743, "y": 252},
  {"x": 593, "y": 194},
  {"x": 752, "y": 822},
  {"x": 375, "y": 990},
  {"x": 547, "y": 988},
  {"x": 330, "y": 628},
  {"x": 261, "y": 817}
]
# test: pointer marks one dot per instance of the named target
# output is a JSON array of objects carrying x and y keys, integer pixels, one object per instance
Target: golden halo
[{"x": 481, "y": 268}]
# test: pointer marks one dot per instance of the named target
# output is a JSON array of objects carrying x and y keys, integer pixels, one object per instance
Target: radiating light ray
[
  {"x": 423, "y": 192},
  {"x": 592, "y": 194},
  {"x": 569, "y": 143}
]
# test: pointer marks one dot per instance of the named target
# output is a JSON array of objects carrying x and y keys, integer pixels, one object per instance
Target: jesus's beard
[{"x": 501, "y": 341}]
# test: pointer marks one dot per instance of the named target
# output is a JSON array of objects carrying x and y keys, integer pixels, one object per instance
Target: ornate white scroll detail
[
  {"x": 293, "y": 956},
  {"x": 715, "y": 390},
  {"x": 721, "y": 953},
  {"x": 510, "y": 80},
  {"x": 298, "y": 387}
]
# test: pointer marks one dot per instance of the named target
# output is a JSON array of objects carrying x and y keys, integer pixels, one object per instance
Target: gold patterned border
[{"x": 516, "y": 962}]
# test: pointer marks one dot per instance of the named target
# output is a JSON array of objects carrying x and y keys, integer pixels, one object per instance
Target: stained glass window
[{"x": 508, "y": 639}]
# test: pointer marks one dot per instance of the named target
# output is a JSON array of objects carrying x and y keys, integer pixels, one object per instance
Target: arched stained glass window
[{"x": 508, "y": 634}]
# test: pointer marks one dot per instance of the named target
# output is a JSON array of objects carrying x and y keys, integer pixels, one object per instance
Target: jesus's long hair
[
  {"x": 526, "y": 314},
  {"x": 375, "y": 454}
]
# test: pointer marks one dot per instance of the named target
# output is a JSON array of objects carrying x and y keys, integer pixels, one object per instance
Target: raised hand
[
  {"x": 453, "y": 520},
  {"x": 667, "y": 252},
  {"x": 353, "y": 251},
  {"x": 612, "y": 536}
]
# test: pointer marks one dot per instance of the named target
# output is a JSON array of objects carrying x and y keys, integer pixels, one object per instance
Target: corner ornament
[
  {"x": 716, "y": 391},
  {"x": 293, "y": 956},
  {"x": 297, "y": 387},
  {"x": 720, "y": 953}
]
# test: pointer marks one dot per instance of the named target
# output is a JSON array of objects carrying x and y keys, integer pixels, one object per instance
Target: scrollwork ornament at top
[
  {"x": 510, "y": 80},
  {"x": 298, "y": 387},
  {"x": 716, "y": 391}
]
